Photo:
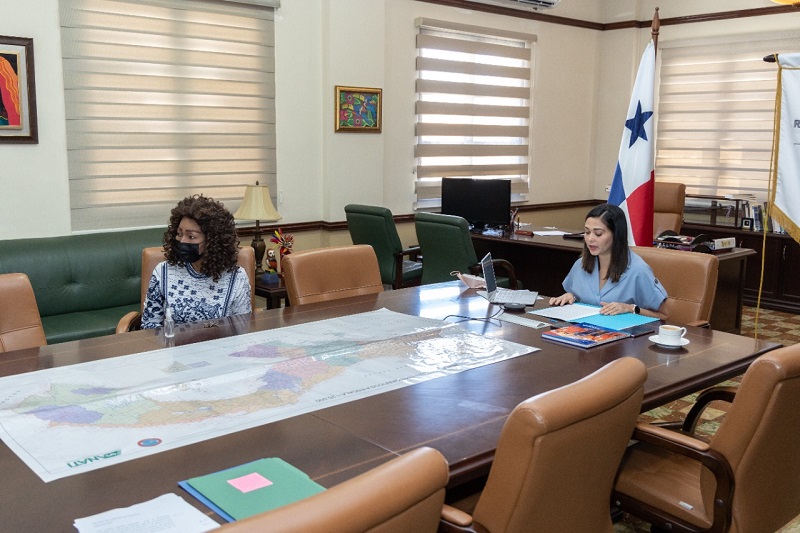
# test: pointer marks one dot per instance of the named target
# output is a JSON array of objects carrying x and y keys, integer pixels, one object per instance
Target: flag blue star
[{"x": 636, "y": 124}]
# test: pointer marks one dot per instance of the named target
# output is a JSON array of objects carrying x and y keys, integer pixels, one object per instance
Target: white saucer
[{"x": 654, "y": 339}]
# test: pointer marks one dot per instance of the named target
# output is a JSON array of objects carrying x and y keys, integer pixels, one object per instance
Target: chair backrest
[
  {"x": 668, "y": 202},
  {"x": 559, "y": 452},
  {"x": 446, "y": 245},
  {"x": 760, "y": 437},
  {"x": 154, "y": 255},
  {"x": 405, "y": 494},
  {"x": 20, "y": 323},
  {"x": 331, "y": 273},
  {"x": 690, "y": 279},
  {"x": 375, "y": 226}
]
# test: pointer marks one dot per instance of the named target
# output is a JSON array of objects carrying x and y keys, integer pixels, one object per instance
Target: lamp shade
[{"x": 257, "y": 205}]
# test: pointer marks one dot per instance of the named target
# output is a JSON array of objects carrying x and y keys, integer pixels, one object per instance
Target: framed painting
[
  {"x": 358, "y": 109},
  {"x": 17, "y": 91}
]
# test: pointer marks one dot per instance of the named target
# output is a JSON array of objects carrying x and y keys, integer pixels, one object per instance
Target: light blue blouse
[{"x": 637, "y": 285}]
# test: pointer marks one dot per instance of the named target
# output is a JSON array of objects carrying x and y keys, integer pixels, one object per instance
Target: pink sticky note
[{"x": 250, "y": 482}]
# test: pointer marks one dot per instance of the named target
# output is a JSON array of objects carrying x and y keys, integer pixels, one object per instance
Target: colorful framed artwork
[
  {"x": 358, "y": 109},
  {"x": 17, "y": 91}
]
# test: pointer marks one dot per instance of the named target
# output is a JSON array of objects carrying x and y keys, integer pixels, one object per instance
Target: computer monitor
[{"x": 482, "y": 202}]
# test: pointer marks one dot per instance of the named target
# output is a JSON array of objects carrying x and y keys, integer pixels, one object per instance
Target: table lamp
[{"x": 257, "y": 205}]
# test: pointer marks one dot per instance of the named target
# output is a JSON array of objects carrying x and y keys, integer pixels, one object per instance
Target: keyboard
[{"x": 521, "y": 320}]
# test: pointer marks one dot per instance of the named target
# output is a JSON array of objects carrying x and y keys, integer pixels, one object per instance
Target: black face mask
[{"x": 188, "y": 252}]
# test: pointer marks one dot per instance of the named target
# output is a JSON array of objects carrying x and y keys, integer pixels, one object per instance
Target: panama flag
[
  {"x": 786, "y": 181},
  {"x": 632, "y": 188}
]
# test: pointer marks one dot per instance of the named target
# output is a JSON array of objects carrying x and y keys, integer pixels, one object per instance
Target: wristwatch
[{"x": 636, "y": 309}]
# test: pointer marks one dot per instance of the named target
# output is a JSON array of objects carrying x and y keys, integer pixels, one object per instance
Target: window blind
[
  {"x": 165, "y": 99},
  {"x": 715, "y": 114},
  {"x": 473, "y": 106}
]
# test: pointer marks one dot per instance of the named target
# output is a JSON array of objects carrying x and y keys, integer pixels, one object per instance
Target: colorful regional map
[{"x": 69, "y": 420}]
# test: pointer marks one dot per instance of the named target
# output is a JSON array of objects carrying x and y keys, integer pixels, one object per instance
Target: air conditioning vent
[{"x": 527, "y": 5}]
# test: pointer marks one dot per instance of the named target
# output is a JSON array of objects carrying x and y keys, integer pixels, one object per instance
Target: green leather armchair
[
  {"x": 446, "y": 245},
  {"x": 375, "y": 226}
]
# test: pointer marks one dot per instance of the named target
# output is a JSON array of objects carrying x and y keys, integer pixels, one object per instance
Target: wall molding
[{"x": 565, "y": 21}]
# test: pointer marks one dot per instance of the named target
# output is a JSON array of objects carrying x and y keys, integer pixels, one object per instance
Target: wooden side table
[{"x": 274, "y": 293}]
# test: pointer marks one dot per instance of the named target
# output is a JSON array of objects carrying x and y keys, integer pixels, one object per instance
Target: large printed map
[{"x": 73, "y": 419}]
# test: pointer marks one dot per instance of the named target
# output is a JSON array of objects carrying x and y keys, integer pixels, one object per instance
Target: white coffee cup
[{"x": 670, "y": 335}]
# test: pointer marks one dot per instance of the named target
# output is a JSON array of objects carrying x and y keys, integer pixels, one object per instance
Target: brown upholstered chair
[
  {"x": 557, "y": 457},
  {"x": 668, "y": 207},
  {"x": 690, "y": 279},
  {"x": 331, "y": 273},
  {"x": 746, "y": 479},
  {"x": 154, "y": 255},
  {"x": 406, "y": 494},
  {"x": 20, "y": 323}
]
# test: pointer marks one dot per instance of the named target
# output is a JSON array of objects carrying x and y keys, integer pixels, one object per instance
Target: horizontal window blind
[
  {"x": 165, "y": 99},
  {"x": 715, "y": 114},
  {"x": 473, "y": 107}
]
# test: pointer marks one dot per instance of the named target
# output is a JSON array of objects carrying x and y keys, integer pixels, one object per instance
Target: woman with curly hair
[{"x": 200, "y": 280}]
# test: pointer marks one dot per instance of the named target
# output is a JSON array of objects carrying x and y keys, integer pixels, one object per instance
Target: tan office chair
[
  {"x": 404, "y": 495},
  {"x": 690, "y": 279},
  {"x": 557, "y": 457},
  {"x": 331, "y": 273},
  {"x": 746, "y": 479},
  {"x": 154, "y": 255},
  {"x": 20, "y": 323},
  {"x": 668, "y": 207}
]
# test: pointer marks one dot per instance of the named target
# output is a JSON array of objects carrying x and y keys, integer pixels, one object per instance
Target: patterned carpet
[{"x": 772, "y": 325}]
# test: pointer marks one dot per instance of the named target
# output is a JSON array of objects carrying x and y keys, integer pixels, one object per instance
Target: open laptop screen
[{"x": 488, "y": 274}]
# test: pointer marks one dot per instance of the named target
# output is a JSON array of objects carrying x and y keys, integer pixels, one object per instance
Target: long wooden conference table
[{"x": 461, "y": 415}]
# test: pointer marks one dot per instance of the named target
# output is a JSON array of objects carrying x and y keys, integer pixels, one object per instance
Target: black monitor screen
[{"x": 483, "y": 202}]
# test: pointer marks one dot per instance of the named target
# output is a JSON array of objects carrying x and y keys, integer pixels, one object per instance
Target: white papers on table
[
  {"x": 550, "y": 232},
  {"x": 567, "y": 313},
  {"x": 168, "y": 513}
]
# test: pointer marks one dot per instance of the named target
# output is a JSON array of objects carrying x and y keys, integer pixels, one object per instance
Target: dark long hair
[
  {"x": 216, "y": 222},
  {"x": 614, "y": 219}
]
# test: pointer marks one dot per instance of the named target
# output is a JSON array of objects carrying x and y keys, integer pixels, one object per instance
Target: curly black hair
[{"x": 216, "y": 222}]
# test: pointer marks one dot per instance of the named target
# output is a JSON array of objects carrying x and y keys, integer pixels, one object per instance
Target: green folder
[{"x": 251, "y": 488}]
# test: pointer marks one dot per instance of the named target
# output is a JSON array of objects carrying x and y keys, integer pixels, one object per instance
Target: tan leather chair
[
  {"x": 404, "y": 495},
  {"x": 690, "y": 279},
  {"x": 20, "y": 323},
  {"x": 557, "y": 457},
  {"x": 746, "y": 479},
  {"x": 331, "y": 273},
  {"x": 154, "y": 255},
  {"x": 669, "y": 200}
]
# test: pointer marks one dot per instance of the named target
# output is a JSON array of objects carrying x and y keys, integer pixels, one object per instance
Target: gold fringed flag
[{"x": 785, "y": 179}]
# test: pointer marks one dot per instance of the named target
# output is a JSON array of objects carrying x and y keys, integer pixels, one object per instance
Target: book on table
[
  {"x": 584, "y": 335},
  {"x": 251, "y": 488}
]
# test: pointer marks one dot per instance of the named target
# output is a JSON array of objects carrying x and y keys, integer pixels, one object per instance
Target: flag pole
[{"x": 655, "y": 26}]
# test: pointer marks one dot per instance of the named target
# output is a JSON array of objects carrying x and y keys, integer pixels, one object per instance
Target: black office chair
[
  {"x": 375, "y": 226},
  {"x": 446, "y": 246}
]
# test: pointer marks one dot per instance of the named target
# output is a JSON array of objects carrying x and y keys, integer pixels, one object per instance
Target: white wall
[
  {"x": 34, "y": 193},
  {"x": 583, "y": 79}
]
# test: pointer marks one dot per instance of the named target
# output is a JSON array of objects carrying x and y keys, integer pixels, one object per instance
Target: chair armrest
[
  {"x": 457, "y": 521},
  {"x": 700, "y": 324},
  {"x": 130, "y": 322},
  {"x": 412, "y": 253},
  {"x": 701, "y": 452},
  {"x": 725, "y": 394}
]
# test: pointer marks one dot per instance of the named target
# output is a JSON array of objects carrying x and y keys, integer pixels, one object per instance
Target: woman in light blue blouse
[{"x": 608, "y": 273}]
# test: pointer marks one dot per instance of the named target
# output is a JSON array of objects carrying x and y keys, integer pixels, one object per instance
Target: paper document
[
  {"x": 550, "y": 232},
  {"x": 568, "y": 313},
  {"x": 167, "y": 513}
]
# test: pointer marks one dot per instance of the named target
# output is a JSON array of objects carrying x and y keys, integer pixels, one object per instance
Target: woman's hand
[
  {"x": 615, "y": 308},
  {"x": 564, "y": 299}
]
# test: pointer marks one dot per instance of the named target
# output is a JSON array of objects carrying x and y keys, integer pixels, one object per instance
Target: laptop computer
[{"x": 499, "y": 295}]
